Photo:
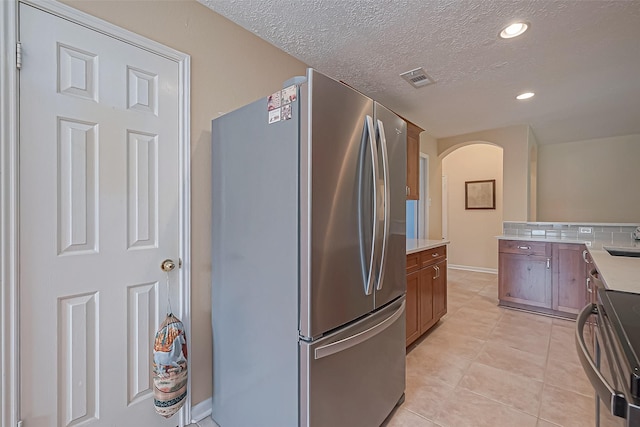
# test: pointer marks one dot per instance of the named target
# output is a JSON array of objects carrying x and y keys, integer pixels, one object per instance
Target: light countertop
[
  {"x": 617, "y": 272},
  {"x": 540, "y": 239},
  {"x": 597, "y": 224},
  {"x": 591, "y": 244},
  {"x": 417, "y": 245}
]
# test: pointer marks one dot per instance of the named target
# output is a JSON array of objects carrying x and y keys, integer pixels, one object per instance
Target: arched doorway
[{"x": 472, "y": 232}]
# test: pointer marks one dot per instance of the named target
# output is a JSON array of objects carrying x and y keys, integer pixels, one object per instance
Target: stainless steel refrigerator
[{"x": 308, "y": 259}]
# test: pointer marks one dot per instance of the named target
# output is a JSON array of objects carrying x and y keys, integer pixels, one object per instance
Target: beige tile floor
[{"x": 484, "y": 365}]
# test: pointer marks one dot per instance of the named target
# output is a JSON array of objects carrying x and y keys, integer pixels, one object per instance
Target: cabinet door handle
[
  {"x": 548, "y": 263},
  {"x": 584, "y": 256},
  {"x": 407, "y": 190},
  {"x": 589, "y": 285},
  {"x": 524, "y": 248},
  {"x": 435, "y": 268}
]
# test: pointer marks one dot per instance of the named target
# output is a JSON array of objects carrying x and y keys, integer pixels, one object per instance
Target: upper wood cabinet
[{"x": 413, "y": 161}]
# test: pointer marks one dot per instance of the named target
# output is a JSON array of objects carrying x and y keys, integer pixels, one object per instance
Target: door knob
[{"x": 167, "y": 265}]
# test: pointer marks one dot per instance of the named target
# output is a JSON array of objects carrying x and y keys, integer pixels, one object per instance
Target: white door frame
[
  {"x": 9, "y": 185},
  {"x": 445, "y": 208}
]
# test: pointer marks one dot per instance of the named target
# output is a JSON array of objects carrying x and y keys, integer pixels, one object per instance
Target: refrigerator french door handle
[
  {"x": 346, "y": 343},
  {"x": 368, "y": 289},
  {"x": 387, "y": 196}
]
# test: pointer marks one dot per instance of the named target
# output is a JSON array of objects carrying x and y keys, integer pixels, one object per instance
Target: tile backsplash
[{"x": 595, "y": 235}]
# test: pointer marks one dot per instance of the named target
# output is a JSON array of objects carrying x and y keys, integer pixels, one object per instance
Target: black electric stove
[{"x": 623, "y": 311}]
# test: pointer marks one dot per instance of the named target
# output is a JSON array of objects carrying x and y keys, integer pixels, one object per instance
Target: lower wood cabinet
[
  {"x": 541, "y": 276},
  {"x": 413, "y": 306},
  {"x": 426, "y": 290},
  {"x": 440, "y": 291},
  {"x": 524, "y": 273},
  {"x": 427, "y": 277},
  {"x": 570, "y": 272}
]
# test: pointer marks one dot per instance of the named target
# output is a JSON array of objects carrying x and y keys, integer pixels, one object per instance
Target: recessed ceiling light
[
  {"x": 514, "y": 30},
  {"x": 525, "y": 95}
]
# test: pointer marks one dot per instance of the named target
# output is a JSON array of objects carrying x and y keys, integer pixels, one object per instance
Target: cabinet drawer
[
  {"x": 413, "y": 262},
  {"x": 433, "y": 255},
  {"x": 525, "y": 247}
]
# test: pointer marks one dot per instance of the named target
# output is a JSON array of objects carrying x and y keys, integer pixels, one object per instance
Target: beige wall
[
  {"x": 229, "y": 68},
  {"x": 429, "y": 146},
  {"x": 533, "y": 177},
  {"x": 515, "y": 141},
  {"x": 473, "y": 232},
  {"x": 592, "y": 181}
]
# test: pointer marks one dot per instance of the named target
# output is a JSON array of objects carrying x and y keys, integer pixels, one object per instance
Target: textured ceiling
[{"x": 581, "y": 58}]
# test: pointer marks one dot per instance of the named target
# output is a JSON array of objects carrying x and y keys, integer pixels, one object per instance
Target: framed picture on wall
[{"x": 480, "y": 194}]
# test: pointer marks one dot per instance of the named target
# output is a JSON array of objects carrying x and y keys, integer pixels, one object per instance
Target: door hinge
[{"x": 19, "y": 66}]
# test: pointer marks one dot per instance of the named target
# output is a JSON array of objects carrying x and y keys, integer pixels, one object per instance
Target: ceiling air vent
[{"x": 417, "y": 78}]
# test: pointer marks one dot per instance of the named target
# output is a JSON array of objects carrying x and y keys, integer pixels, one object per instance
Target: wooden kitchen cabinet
[
  {"x": 440, "y": 291},
  {"x": 426, "y": 298},
  {"x": 524, "y": 273},
  {"x": 546, "y": 277},
  {"x": 413, "y": 306},
  {"x": 570, "y": 273},
  {"x": 433, "y": 294},
  {"x": 426, "y": 291},
  {"x": 413, "y": 161}
]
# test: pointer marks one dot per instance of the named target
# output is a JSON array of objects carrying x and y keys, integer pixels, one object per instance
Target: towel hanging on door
[{"x": 170, "y": 367}]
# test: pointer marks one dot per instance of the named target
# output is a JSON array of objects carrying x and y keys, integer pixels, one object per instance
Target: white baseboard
[
  {"x": 471, "y": 268},
  {"x": 201, "y": 412}
]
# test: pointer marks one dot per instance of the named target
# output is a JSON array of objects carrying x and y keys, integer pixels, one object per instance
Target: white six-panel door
[{"x": 99, "y": 212}]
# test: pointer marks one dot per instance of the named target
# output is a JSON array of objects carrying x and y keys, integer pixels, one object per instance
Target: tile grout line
[
  {"x": 546, "y": 367},
  {"x": 503, "y": 404},
  {"x": 423, "y": 417}
]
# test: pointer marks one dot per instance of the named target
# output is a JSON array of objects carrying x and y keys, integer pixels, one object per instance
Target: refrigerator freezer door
[
  {"x": 334, "y": 150},
  {"x": 391, "y": 133},
  {"x": 355, "y": 376}
]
